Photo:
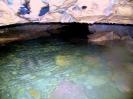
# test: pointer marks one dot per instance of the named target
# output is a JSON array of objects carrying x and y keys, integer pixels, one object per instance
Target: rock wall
[{"x": 82, "y": 11}]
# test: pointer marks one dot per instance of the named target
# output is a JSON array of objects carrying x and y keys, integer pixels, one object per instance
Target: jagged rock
[
  {"x": 82, "y": 11},
  {"x": 122, "y": 30},
  {"x": 103, "y": 33}
]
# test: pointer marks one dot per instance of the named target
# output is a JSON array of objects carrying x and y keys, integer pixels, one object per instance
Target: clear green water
[{"x": 54, "y": 69}]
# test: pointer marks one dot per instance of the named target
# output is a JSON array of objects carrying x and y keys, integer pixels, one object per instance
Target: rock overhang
[{"x": 66, "y": 11}]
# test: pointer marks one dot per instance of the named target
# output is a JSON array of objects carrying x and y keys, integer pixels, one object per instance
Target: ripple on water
[{"x": 79, "y": 71}]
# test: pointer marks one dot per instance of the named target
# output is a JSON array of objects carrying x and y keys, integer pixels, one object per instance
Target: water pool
[{"x": 56, "y": 69}]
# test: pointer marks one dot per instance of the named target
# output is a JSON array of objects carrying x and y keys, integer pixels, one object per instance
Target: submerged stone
[{"x": 68, "y": 90}]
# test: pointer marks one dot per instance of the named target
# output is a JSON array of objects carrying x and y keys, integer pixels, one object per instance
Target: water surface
[{"x": 56, "y": 69}]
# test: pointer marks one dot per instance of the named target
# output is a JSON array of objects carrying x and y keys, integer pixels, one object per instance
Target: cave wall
[{"x": 82, "y": 11}]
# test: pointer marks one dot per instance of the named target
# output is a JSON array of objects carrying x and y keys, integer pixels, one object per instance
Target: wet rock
[
  {"x": 27, "y": 31},
  {"x": 106, "y": 33},
  {"x": 121, "y": 30},
  {"x": 103, "y": 37}
]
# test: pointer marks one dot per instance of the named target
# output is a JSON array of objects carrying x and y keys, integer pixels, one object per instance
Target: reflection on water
[{"x": 54, "y": 69}]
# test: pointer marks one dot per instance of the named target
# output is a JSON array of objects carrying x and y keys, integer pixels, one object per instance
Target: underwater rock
[
  {"x": 129, "y": 45},
  {"x": 130, "y": 67},
  {"x": 68, "y": 90},
  {"x": 123, "y": 81},
  {"x": 97, "y": 80},
  {"x": 63, "y": 61},
  {"x": 34, "y": 93}
]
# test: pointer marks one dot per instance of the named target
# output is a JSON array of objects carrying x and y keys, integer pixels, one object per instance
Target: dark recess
[
  {"x": 74, "y": 30},
  {"x": 68, "y": 31}
]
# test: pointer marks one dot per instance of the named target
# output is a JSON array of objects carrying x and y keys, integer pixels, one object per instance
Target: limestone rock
[{"x": 82, "y": 11}]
